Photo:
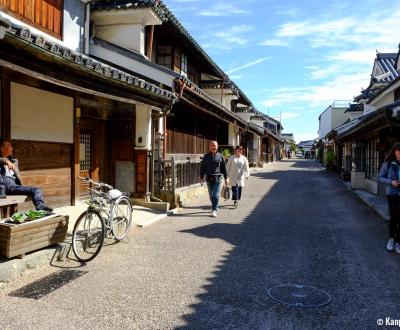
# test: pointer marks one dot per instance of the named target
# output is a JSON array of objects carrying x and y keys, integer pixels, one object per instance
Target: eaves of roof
[
  {"x": 357, "y": 123},
  {"x": 383, "y": 89},
  {"x": 83, "y": 62},
  {"x": 132, "y": 55},
  {"x": 188, "y": 84}
]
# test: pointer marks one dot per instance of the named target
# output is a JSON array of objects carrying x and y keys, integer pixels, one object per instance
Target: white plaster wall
[
  {"x": 354, "y": 115},
  {"x": 128, "y": 36},
  {"x": 143, "y": 127},
  {"x": 233, "y": 136},
  {"x": 39, "y": 115},
  {"x": 130, "y": 64},
  {"x": 228, "y": 101},
  {"x": 368, "y": 108},
  {"x": 383, "y": 100},
  {"x": 215, "y": 93},
  {"x": 325, "y": 123},
  {"x": 339, "y": 117},
  {"x": 245, "y": 115}
]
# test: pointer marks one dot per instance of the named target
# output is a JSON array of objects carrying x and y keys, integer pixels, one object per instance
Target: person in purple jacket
[{"x": 390, "y": 175}]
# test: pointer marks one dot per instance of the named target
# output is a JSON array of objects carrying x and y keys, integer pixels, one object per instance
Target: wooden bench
[{"x": 9, "y": 205}]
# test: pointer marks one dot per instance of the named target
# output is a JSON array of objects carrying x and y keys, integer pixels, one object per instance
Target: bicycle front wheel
[
  {"x": 88, "y": 236},
  {"x": 121, "y": 213}
]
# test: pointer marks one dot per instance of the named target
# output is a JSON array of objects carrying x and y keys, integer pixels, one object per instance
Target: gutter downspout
[
  {"x": 86, "y": 29},
  {"x": 152, "y": 37}
]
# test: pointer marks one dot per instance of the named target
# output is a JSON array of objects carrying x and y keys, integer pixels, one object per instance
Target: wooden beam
[{"x": 75, "y": 164}]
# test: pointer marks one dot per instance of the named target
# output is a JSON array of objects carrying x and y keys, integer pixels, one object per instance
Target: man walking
[{"x": 212, "y": 169}]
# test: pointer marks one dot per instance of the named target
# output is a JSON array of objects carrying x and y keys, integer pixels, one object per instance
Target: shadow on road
[{"x": 297, "y": 234}]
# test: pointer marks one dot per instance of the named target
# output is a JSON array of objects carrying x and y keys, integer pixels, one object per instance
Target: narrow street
[{"x": 296, "y": 224}]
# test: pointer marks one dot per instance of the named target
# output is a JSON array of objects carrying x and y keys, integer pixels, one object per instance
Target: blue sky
[{"x": 294, "y": 57}]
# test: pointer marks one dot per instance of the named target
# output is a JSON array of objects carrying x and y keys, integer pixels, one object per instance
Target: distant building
[{"x": 333, "y": 116}]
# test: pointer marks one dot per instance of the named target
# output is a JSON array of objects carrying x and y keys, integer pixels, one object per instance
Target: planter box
[{"x": 18, "y": 239}]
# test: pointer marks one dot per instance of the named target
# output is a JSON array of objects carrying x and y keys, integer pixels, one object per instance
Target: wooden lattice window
[
  {"x": 164, "y": 56},
  {"x": 85, "y": 152},
  {"x": 372, "y": 159},
  {"x": 46, "y": 15}
]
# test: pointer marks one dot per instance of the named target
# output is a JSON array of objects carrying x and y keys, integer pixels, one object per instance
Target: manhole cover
[{"x": 299, "y": 295}]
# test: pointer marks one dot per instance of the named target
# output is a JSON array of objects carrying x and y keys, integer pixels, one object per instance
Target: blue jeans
[
  {"x": 214, "y": 189},
  {"x": 236, "y": 193},
  {"x": 35, "y": 193}
]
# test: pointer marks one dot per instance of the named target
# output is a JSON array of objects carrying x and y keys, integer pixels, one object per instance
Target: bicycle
[{"x": 109, "y": 214}]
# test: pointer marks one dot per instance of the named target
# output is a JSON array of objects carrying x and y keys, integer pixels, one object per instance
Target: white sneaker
[
  {"x": 214, "y": 214},
  {"x": 397, "y": 248},
  {"x": 390, "y": 245}
]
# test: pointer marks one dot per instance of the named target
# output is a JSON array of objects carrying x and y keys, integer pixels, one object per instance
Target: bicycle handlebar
[{"x": 96, "y": 183}]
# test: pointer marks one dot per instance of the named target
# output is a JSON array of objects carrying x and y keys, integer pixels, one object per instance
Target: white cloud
[
  {"x": 289, "y": 115},
  {"x": 223, "y": 9},
  {"x": 249, "y": 64},
  {"x": 274, "y": 43},
  {"x": 235, "y": 76},
  {"x": 235, "y": 35},
  {"x": 343, "y": 87},
  {"x": 291, "y": 12},
  {"x": 344, "y": 64},
  {"x": 229, "y": 38}
]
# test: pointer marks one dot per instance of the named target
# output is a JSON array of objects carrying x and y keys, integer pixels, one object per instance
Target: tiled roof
[
  {"x": 386, "y": 62},
  {"x": 211, "y": 100},
  {"x": 355, "y": 124},
  {"x": 216, "y": 84},
  {"x": 355, "y": 107},
  {"x": 101, "y": 5},
  {"x": 84, "y": 61}
]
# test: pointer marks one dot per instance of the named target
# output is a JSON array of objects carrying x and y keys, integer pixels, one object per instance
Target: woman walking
[
  {"x": 238, "y": 170},
  {"x": 390, "y": 175}
]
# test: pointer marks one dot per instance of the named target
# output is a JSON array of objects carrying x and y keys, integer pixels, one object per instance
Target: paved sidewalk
[
  {"x": 377, "y": 203},
  {"x": 12, "y": 268}
]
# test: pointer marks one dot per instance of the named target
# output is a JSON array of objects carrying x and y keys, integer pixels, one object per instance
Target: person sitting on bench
[{"x": 11, "y": 180}]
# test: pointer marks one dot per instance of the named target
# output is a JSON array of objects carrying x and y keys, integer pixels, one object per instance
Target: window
[
  {"x": 372, "y": 159},
  {"x": 177, "y": 60},
  {"x": 46, "y": 15},
  {"x": 192, "y": 74},
  {"x": 164, "y": 56},
  {"x": 184, "y": 65},
  {"x": 84, "y": 152}
]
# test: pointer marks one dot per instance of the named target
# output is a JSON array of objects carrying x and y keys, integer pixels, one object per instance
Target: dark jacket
[
  {"x": 213, "y": 165},
  {"x": 388, "y": 173},
  {"x": 16, "y": 171}
]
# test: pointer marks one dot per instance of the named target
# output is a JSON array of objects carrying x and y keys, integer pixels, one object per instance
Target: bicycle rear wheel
[
  {"x": 88, "y": 235},
  {"x": 121, "y": 213}
]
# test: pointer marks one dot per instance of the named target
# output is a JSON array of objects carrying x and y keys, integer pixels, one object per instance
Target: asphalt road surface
[{"x": 296, "y": 224}]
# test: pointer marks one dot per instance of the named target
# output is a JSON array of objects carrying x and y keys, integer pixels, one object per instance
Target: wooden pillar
[
  {"x": 75, "y": 166},
  {"x": 5, "y": 96},
  {"x": 141, "y": 170}
]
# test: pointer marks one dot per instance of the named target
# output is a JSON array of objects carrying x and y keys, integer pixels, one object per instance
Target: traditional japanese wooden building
[
  {"x": 363, "y": 141},
  {"x": 68, "y": 113}
]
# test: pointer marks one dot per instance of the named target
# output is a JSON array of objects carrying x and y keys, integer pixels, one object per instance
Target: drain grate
[{"x": 299, "y": 295}]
